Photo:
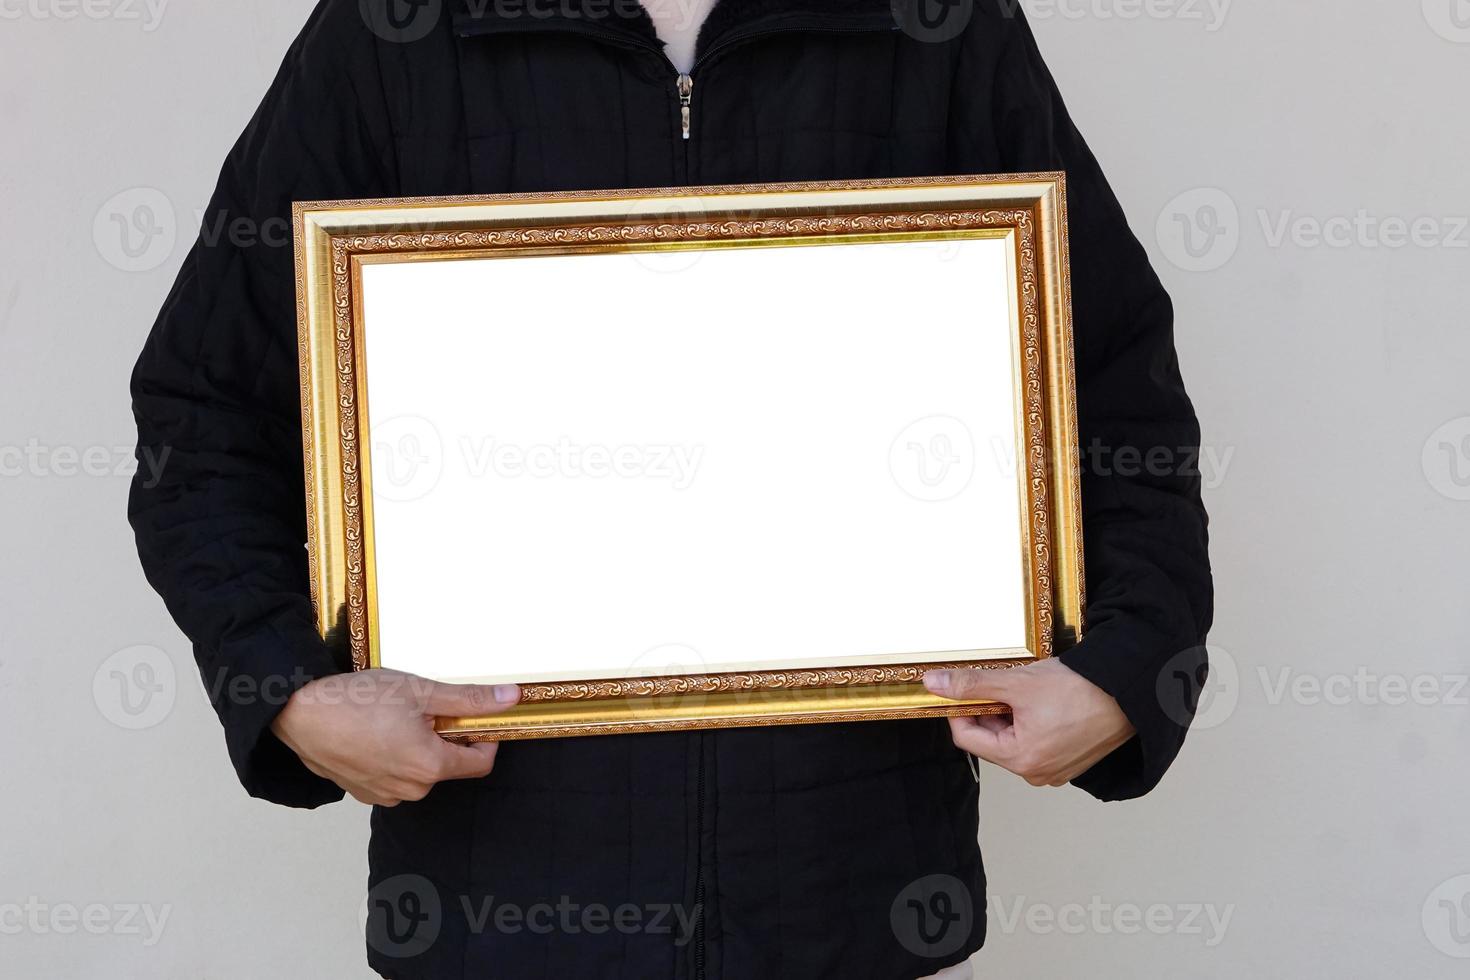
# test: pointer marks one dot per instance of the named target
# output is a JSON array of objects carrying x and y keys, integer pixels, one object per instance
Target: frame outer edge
[
  {"x": 1067, "y": 497},
  {"x": 319, "y": 419},
  {"x": 322, "y": 411}
]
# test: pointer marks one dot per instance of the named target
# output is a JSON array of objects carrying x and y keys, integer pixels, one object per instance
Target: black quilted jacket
[{"x": 828, "y": 850}]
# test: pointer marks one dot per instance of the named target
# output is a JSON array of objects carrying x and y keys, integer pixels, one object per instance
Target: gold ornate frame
[{"x": 334, "y": 239}]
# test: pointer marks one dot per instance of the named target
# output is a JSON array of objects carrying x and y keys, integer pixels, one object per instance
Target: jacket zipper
[
  {"x": 684, "y": 81},
  {"x": 686, "y": 97}
]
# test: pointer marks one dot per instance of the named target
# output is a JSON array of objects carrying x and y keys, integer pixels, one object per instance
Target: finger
[
  {"x": 472, "y": 761},
  {"x": 469, "y": 700},
  {"x": 970, "y": 684},
  {"x": 982, "y": 741}
]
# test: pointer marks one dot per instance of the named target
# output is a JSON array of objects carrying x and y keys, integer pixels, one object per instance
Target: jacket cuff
[
  {"x": 249, "y": 680},
  {"x": 1128, "y": 659}
]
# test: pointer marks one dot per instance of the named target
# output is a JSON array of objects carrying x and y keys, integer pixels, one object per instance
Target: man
[{"x": 741, "y": 853}]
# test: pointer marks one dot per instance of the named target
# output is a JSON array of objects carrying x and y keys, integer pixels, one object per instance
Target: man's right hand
[{"x": 372, "y": 732}]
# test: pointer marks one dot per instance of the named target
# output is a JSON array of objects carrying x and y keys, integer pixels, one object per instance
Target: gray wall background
[{"x": 1271, "y": 156}]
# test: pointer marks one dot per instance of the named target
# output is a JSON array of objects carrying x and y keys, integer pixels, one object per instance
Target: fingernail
[
  {"x": 507, "y": 694},
  {"x": 937, "y": 681}
]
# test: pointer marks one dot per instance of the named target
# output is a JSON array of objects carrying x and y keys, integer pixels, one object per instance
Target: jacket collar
[{"x": 626, "y": 22}]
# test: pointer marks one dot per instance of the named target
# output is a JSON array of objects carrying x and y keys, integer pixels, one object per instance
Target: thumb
[
  {"x": 971, "y": 684},
  {"x": 469, "y": 700}
]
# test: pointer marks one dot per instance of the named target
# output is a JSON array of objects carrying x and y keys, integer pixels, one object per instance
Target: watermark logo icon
[
  {"x": 1446, "y": 917},
  {"x": 402, "y": 916},
  {"x": 932, "y": 21},
  {"x": 933, "y": 459},
  {"x": 666, "y": 660},
  {"x": 136, "y": 687},
  {"x": 678, "y": 212},
  {"x": 1450, "y": 19},
  {"x": 134, "y": 230},
  {"x": 933, "y": 916},
  {"x": 401, "y": 21},
  {"x": 1199, "y": 231},
  {"x": 1200, "y": 687},
  {"x": 408, "y": 458},
  {"x": 1446, "y": 459}
]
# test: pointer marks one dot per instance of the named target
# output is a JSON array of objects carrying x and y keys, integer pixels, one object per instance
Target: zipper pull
[{"x": 686, "y": 91}]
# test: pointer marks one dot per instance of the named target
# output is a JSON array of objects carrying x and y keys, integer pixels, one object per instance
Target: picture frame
[{"x": 883, "y": 318}]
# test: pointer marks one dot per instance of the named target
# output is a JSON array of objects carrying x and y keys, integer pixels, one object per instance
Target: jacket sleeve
[
  {"x": 220, "y": 524},
  {"x": 1150, "y": 596}
]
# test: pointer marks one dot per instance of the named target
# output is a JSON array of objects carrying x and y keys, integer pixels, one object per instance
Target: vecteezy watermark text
[
  {"x": 564, "y": 458},
  {"x": 67, "y": 461},
  {"x": 40, "y": 918},
  {"x": 1100, "y": 917},
  {"x": 147, "y": 13},
  {"x": 404, "y": 915}
]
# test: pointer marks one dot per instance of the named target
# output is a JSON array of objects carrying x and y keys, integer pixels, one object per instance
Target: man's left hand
[{"x": 1060, "y": 724}]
